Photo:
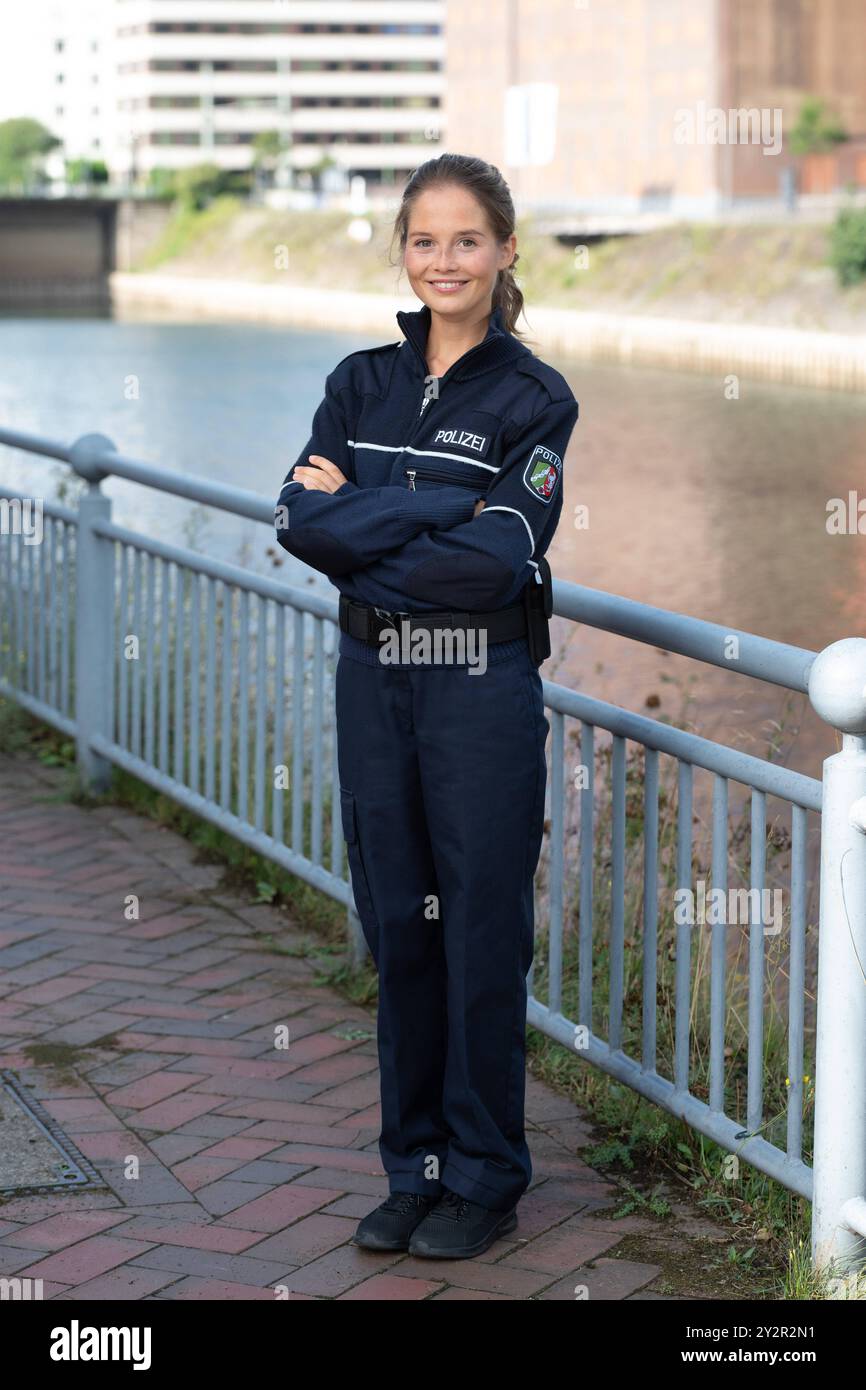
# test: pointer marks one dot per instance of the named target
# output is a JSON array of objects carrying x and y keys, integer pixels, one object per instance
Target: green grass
[{"x": 189, "y": 227}]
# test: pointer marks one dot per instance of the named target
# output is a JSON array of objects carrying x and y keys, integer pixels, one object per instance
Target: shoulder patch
[{"x": 542, "y": 473}]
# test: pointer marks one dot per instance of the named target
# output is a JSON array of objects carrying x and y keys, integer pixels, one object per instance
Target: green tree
[
  {"x": 325, "y": 161},
  {"x": 267, "y": 151},
  {"x": 817, "y": 129},
  {"x": 199, "y": 184},
  {"x": 848, "y": 246},
  {"x": 161, "y": 182},
  {"x": 267, "y": 148},
  {"x": 86, "y": 171},
  {"x": 23, "y": 144}
]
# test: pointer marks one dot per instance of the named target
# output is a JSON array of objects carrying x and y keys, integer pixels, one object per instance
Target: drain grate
[{"x": 35, "y": 1154}]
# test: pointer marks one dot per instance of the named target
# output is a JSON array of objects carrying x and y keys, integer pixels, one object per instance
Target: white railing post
[
  {"x": 837, "y": 689},
  {"x": 94, "y": 615},
  {"x": 358, "y": 948}
]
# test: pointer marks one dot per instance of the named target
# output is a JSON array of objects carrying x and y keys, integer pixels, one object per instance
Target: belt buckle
[
  {"x": 390, "y": 615},
  {"x": 386, "y": 616}
]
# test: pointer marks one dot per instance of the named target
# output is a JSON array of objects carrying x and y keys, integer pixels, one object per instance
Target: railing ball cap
[
  {"x": 837, "y": 685},
  {"x": 82, "y": 453}
]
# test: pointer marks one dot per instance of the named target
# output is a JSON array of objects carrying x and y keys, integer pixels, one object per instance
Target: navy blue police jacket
[{"x": 418, "y": 452}]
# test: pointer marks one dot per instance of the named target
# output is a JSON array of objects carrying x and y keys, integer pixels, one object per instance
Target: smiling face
[{"x": 452, "y": 255}]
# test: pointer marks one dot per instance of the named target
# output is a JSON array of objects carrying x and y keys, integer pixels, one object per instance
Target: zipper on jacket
[
  {"x": 426, "y": 399},
  {"x": 440, "y": 475},
  {"x": 442, "y": 379},
  {"x": 409, "y": 338}
]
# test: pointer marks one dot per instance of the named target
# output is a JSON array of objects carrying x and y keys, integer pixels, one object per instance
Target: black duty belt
[{"x": 366, "y": 623}]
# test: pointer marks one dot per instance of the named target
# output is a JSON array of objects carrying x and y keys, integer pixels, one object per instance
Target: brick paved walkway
[{"x": 255, "y": 1165}]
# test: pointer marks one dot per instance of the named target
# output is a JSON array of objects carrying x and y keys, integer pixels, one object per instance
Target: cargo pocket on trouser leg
[
  {"x": 533, "y": 693},
  {"x": 360, "y": 886}
]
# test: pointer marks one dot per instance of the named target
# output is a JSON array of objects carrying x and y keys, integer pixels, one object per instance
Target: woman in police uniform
[{"x": 428, "y": 492}]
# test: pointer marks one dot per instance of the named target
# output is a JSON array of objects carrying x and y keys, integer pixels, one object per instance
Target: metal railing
[{"x": 214, "y": 685}]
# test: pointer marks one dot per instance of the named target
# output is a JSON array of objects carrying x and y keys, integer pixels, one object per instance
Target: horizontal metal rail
[
  {"x": 710, "y": 643},
  {"x": 691, "y": 748}
]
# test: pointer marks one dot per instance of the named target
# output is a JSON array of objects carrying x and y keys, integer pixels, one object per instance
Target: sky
[
  {"x": 25, "y": 32},
  {"x": 19, "y": 33}
]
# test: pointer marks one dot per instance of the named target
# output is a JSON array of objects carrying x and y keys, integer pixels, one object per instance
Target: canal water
[{"x": 678, "y": 493}]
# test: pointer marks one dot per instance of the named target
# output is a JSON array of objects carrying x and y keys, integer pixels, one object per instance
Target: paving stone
[
  {"x": 148, "y": 1090},
  {"x": 172, "y": 1113},
  {"x": 390, "y": 1288},
  {"x": 291, "y": 1112},
  {"x": 263, "y": 1170},
  {"x": 607, "y": 1280},
  {"x": 208, "y": 1264},
  {"x": 212, "y": 1126},
  {"x": 124, "y": 1283},
  {"x": 86, "y": 1259},
  {"x": 285, "y": 1088},
  {"x": 307, "y": 1239},
  {"x": 354, "y": 1204},
  {"x": 155, "y": 1184},
  {"x": 334, "y": 1070},
  {"x": 14, "y": 1259},
  {"x": 350, "y": 1160},
  {"x": 194, "y": 1235},
  {"x": 202, "y": 1172},
  {"x": 327, "y": 1136},
  {"x": 346, "y": 1181},
  {"x": 340, "y": 1270},
  {"x": 454, "y": 1295},
  {"x": 357, "y": 1094},
  {"x": 475, "y": 1274},
  {"x": 218, "y": 1290},
  {"x": 567, "y": 1246},
  {"x": 56, "y": 1232},
  {"x": 279, "y": 1208}
]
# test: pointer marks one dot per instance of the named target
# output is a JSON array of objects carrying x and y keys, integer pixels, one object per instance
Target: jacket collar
[{"x": 498, "y": 346}]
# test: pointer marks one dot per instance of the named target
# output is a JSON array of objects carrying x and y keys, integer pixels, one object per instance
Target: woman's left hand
[{"x": 323, "y": 476}]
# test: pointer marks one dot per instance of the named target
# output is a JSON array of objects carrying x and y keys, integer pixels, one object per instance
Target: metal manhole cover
[{"x": 35, "y": 1154}]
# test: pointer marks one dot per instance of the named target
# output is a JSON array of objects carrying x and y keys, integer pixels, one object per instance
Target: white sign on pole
[{"x": 530, "y": 123}]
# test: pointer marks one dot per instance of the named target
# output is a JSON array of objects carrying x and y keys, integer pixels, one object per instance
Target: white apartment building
[
  {"x": 57, "y": 66},
  {"x": 361, "y": 81}
]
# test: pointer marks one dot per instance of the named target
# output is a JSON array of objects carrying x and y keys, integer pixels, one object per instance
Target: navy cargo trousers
[{"x": 442, "y": 788}]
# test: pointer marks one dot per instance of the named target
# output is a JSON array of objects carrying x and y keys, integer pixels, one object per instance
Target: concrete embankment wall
[
  {"x": 829, "y": 360},
  {"x": 54, "y": 250}
]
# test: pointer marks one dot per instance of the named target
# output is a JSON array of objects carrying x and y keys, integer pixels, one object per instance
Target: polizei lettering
[{"x": 462, "y": 437}]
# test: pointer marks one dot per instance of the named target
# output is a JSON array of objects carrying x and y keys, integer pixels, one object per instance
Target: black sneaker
[
  {"x": 391, "y": 1224},
  {"x": 457, "y": 1229}
]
